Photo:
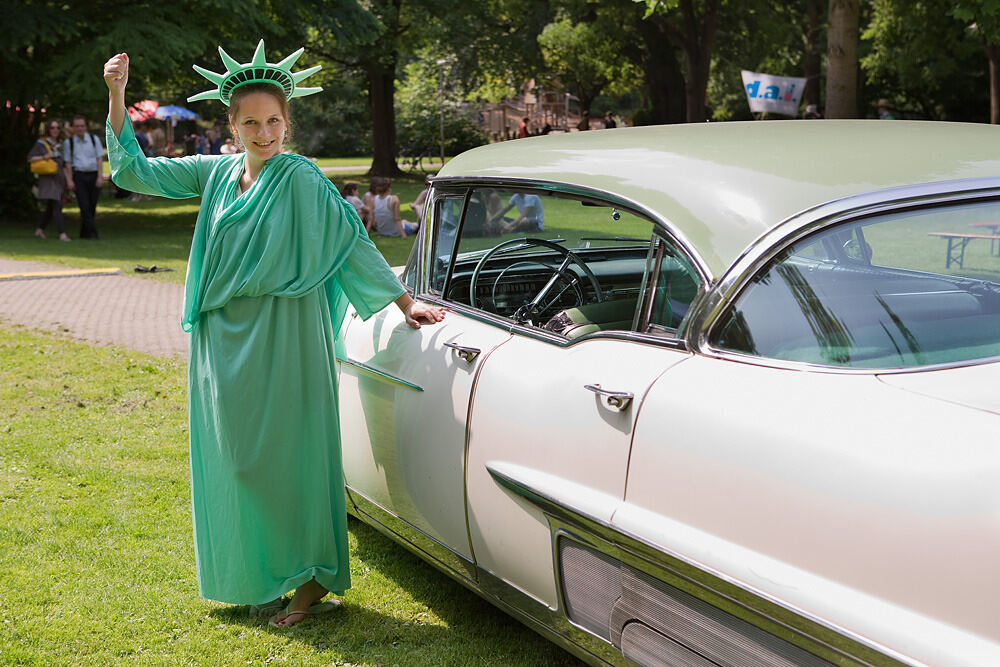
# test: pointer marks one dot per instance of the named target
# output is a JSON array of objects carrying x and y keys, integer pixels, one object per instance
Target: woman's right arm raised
[
  {"x": 116, "y": 76},
  {"x": 174, "y": 178}
]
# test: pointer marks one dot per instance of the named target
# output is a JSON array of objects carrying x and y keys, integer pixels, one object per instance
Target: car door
[
  {"x": 404, "y": 401},
  {"x": 555, "y": 407},
  {"x": 538, "y": 422}
]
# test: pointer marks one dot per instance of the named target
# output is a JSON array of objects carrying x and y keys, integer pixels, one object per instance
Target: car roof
[{"x": 719, "y": 186}]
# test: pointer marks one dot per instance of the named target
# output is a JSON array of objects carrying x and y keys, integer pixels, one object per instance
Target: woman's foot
[
  {"x": 39, "y": 233},
  {"x": 64, "y": 237},
  {"x": 298, "y": 609}
]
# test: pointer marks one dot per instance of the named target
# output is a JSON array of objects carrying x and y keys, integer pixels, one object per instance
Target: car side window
[
  {"x": 890, "y": 291},
  {"x": 447, "y": 212},
  {"x": 673, "y": 285},
  {"x": 409, "y": 277},
  {"x": 566, "y": 265}
]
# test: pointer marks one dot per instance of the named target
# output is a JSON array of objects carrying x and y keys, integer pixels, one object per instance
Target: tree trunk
[
  {"x": 380, "y": 68},
  {"x": 842, "y": 60},
  {"x": 993, "y": 53},
  {"x": 699, "y": 40},
  {"x": 381, "y": 94},
  {"x": 661, "y": 72},
  {"x": 812, "y": 61}
]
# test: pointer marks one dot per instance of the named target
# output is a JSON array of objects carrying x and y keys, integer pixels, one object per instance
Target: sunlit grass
[{"x": 97, "y": 565}]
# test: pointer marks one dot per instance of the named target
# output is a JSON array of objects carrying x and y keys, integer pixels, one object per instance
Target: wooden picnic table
[{"x": 957, "y": 242}]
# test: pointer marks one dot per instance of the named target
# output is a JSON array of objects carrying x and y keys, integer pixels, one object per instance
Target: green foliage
[
  {"x": 586, "y": 58},
  {"x": 492, "y": 44},
  {"x": 657, "y": 6},
  {"x": 924, "y": 58},
  {"x": 53, "y": 60},
  {"x": 335, "y": 122},
  {"x": 759, "y": 36},
  {"x": 983, "y": 15},
  {"x": 427, "y": 93}
]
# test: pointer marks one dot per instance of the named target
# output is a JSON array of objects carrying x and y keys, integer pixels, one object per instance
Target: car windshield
[{"x": 915, "y": 288}]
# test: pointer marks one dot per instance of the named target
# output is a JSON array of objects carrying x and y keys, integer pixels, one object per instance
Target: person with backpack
[{"x": 84, "y": 155}]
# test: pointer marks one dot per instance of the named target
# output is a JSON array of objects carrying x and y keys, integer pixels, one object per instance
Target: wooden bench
[
  {"x": 994, "y": 228},
  {"x": 957, "y": 242}
]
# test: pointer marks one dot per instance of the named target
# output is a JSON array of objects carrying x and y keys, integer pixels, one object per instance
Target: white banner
[{"x": 777, "y": 94}]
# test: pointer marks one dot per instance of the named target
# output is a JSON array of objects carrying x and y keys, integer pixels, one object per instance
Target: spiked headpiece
[{"x": 255, "y": 71}]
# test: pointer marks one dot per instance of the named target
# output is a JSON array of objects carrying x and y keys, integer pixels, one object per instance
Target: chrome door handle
[
  {"x": 615, "y": 399},
  {"x": 467, "y": 353}
]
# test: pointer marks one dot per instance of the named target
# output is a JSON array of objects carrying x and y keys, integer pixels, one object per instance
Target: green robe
[{"x": 267, "y": 286}]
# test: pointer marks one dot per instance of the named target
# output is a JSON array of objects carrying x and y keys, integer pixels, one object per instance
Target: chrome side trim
[
  {"x": 811, "y": 633},
  {"x": 382, "y": 375},
  {"x": 548, "y": 622},
  {"x": 416, "y": 540}
]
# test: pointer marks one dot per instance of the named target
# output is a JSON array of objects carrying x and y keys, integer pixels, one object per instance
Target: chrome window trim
[
  {"x": 416, "y": 256},
  {"x": 450, "y": 271},
  {"x": 650, "y": 281},
  {"x": 426, "y": 240},
  {"x": 711, "y": 584},
  {"x": 794, "y": 228}
]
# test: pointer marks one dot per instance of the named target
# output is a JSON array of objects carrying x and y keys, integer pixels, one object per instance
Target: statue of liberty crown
[{"x": 256, "y": 71}]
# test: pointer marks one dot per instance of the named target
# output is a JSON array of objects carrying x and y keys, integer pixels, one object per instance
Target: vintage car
[{"x": 707, "y": 394}]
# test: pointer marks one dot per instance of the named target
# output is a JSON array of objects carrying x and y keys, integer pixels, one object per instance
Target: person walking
[
  {"x": 84, "y": 155},
  {"x": 277, "y": 255},
  {"x": 51, "y": 186}
]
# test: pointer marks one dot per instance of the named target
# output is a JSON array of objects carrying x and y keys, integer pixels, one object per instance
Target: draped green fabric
[{"x": 269, "y": 278}]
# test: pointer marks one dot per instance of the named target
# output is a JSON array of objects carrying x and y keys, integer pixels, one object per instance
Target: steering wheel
[{"x": 529, "y": 312}]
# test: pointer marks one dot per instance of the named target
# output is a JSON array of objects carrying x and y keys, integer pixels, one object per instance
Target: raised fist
[{"x": 116, "y": 73}]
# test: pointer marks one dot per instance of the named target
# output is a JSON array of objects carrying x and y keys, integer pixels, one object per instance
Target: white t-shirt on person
[{"x": 83, "y": 153}]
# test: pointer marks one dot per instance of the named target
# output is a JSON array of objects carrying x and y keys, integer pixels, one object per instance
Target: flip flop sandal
[
  {"x": 268, "y": 609},
  {"x": 314, "y": 610}
]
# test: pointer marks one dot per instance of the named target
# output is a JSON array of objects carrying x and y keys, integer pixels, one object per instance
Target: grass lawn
[
  {"x": 158, "y": 232},
  {"x": 97, "y": 565}
]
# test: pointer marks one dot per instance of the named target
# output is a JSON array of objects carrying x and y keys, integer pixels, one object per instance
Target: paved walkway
[{"x": 117, "y": 310}]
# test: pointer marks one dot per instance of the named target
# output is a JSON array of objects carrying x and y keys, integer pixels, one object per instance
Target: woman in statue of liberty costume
[{"x": 276, "y": 255}]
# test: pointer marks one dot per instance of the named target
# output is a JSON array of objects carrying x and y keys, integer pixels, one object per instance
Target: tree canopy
[{"x": 397, "y": 67}]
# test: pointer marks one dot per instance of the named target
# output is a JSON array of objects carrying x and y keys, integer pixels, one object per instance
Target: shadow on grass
[{"x": 452, "y": 625}]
